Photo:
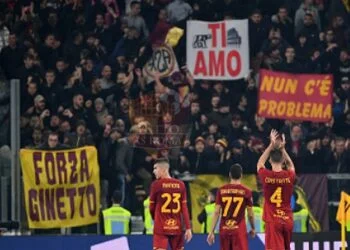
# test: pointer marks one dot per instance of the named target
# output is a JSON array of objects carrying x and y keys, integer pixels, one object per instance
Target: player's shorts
[
  {"x": 161, "y": 241},
  {"x": 278, "y": 236},
  {"x": 237, "y": 241}
]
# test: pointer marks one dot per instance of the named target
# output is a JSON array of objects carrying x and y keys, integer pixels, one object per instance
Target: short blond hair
[{"x": 134, "y": 130}]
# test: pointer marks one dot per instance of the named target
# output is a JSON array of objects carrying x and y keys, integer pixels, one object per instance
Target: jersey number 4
[
  {"x": 228, "y": 202},
  {"x": 171, "y": 198},
  {"x": 276, "y": 197}
]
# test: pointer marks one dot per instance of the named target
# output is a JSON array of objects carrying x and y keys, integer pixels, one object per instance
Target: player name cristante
[
  {"x": 170, "y": 185},
  {"x": 277, "y": 180},
  {"x": 232, "y": 191}
]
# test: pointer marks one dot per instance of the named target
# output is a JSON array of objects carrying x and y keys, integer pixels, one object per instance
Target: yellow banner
[
  {"x": 303, "y": 202},
  {"x": 343, "y": 213},
  {"x": 61, "y": 188},
  {"x": 201, "y": 187},
  {"x": 347, "y": 5}
]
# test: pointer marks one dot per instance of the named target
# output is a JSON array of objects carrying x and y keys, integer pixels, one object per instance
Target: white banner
[
  {"x": 163, "y": 61},
  {"x": 218, "y": 50}
]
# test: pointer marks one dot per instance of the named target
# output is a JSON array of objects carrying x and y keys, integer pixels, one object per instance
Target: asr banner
[
  {"x": 218, "y": 50},
  {"x": 305, "y": 97},
  {"x": 163, "y": 61},
  {"x": 61, "y": 188},
  {"x": 200, "y": 188}
]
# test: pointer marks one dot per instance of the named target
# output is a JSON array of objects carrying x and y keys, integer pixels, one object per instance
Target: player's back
[
  {"x": 233, "y": 199},
  {"x": 169, "y": 195},
  {"x": 278, "y": 190}
]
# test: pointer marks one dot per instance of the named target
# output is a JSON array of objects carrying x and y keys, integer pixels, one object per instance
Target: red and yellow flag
[
  {"x": 347, "y": 5},
  {"x": 343, "y": 214}
]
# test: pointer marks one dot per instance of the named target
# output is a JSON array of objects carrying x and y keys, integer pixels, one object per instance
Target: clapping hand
[
  {"x": 283, "y": 142},
  {"x": 273, "y": 137}
]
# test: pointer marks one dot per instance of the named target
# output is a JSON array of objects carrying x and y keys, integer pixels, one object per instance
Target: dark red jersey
[
  {"x": 168, "y": 206},
  {"x": 278, "y": 190},
  {"x": 233, "y": 200}
]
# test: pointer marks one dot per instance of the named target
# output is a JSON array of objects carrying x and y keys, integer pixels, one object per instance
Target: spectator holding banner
[{"x": 53, "y": 143}]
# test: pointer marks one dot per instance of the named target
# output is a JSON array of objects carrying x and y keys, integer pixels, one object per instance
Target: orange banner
[{"x": 306, "y": 97}]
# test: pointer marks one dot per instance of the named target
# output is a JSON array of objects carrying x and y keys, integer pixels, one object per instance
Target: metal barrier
[
  {"x": 336, "y": 184},
  {"x": 5, "y": 175},
  {"x": 16, "y": 191},
  {"x": 4, "y": 184},
  {"x": 137, "y": 223}
]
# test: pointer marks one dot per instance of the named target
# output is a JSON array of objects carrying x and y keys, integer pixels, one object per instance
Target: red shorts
[
  {"x": 237, "y": 241},
  {"x": 161, "y": 241},
  {"x": 278, "y": 236}
]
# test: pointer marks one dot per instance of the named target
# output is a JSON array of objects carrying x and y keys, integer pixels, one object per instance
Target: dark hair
[
  {"x": 117, "y": 197},
  {"x": 276, "y": 156},
  {"x": 50, "y": 71},
  {"x": 53, "y": 133},
  {"x": 77, "y": 93},
  {"x": 99, "y": 14},
  {"x": 344, "y": 49},
  {"x": 52, "y": 11},
  {"x": 290, "y": 47},
  {"x": 256, "y": 11},
  {"x": 50, "y": 34},
  {"x": 213, "y": 191},
  {"x": 35, "y": 80},
  {"x": 236, "y": 171},
  {"x": 76, "y": 33},
  {"x": 134, "y": 3},
  {"x": 28, "y": 56},
  {"x": 283, "y": 7},
  {"x": 339, "y": 139},
  {"x": 161, "y": 161},
  {"x": 61, "y": 59},
  {"x": 81, "y": 123},
  {"x": 91, "y": 34}
]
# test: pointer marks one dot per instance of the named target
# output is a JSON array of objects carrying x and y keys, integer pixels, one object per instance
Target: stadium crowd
[{"x": 80, "y": 69}]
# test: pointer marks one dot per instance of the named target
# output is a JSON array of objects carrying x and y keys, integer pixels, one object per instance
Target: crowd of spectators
[{"x": 80, "y": 69}]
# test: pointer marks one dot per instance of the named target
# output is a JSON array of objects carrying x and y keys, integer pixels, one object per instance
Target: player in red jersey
[
  {"x": 231, "y": 202},
  {"x": 168, "y": 206},
  {"x": 278, "y": 187}
]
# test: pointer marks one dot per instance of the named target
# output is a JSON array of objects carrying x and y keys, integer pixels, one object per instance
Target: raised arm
[
  {"x": 289, "y": 162},
  {"x": 189, "y": 76},
  {"x": 263, "y": 158},
  {"x": 158, "y": 86}
]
